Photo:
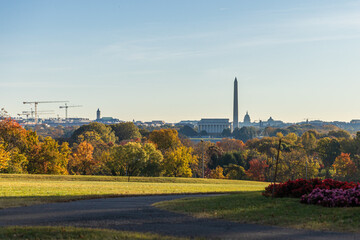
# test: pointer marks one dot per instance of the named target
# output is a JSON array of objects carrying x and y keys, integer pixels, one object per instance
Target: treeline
[
  {"x": 124, "y": 150},
  {"x": 246, "y": 133},
  {"x": 96, "y": 149}
]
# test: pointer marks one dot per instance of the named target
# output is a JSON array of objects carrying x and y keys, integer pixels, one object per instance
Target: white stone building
[{"x": 214, "y": 125}]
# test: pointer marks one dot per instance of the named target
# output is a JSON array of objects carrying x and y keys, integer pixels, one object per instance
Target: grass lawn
[
  {"x": 252, "y": 207},
  {"x": 32, "y": 233},
  {"x": 23, "y": 190}
]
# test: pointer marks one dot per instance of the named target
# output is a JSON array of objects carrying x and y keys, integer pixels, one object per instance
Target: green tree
[
  {"x": 308, "y": 140},
  {"x": 339, "y": 134},
  {"x": 328, "y": 150},
  {"x": 154, "y": 161},
  {"x": 203, "y": 133},
  {"x": 234, "y": 171},
  {"x": 188, "y": 131},
  {"x": 226, "y": 132},
  {"x": 113, "y": 160},
  {"x": 105, "y": 132},
  {"x": 144, "y": 132},
  {"x": 134, "y": 158},
  {"x": 296, "y": 164},
  {"x": 125, "y": 131},
  {"x": 245, "y": 133},
  {"x": 215, "y": 155}
]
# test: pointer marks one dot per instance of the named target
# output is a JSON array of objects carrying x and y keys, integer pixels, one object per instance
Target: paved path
[{"x": 137, "y": 214}]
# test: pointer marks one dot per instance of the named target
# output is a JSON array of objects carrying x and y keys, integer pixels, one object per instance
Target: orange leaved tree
[
  {"x": 344, "y": 168},
  {"x": 82, "y": 161}
]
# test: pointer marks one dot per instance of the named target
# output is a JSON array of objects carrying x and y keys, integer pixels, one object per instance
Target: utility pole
[
  {"x": 203, "y": 166},
  {"x": 276, "y": 167}
]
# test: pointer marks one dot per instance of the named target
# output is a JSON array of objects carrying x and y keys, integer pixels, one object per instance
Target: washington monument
[{"x": 235, "y": 117}]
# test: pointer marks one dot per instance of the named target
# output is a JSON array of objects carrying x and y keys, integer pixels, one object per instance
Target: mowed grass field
[
  {"x": 252, "y": 207},
  {"x": 26, "y": 189},
  {"x": 35, "y": 233}
]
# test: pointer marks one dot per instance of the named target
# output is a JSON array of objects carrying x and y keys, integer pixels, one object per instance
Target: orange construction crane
[{"x": 37, "y": 102}]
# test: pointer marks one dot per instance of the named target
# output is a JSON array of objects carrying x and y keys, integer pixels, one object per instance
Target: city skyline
[{"x": 175, "y": 61}]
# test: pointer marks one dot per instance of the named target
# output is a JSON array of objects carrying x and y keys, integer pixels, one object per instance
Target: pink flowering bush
[{"x": 333, "y": 197}]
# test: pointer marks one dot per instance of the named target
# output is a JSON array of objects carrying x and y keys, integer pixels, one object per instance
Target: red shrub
[{"x": 297, "y": 188}]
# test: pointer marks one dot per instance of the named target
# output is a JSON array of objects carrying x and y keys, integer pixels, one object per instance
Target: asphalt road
[{"x": 137, "y": 214}]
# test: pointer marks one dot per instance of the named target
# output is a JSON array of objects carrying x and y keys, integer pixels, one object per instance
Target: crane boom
[
  {"x": 37, "y": 102},
  {"x": 66, "y": 109}
]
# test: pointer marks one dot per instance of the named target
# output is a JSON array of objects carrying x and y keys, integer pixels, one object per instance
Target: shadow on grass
[
  {"x": 252, "y": 207},
  {"x": 21, "y": 201}
]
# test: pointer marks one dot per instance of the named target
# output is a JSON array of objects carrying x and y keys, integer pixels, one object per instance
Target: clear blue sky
[{"x": 176, "y": 60}]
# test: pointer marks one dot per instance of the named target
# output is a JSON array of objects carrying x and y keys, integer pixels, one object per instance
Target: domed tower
[
  {"x": 98, "y": 114},
  {"x": 247, "y": 118}
]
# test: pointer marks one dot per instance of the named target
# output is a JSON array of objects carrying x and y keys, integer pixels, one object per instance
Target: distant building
[
  {"x": 247, "y": 120},
  {"x": 138, "y": 123},
  {"x": 105, "y": 120},
  {"x": 355, "y": 121},
  {"x": 108, "y": 120},
  {"x": 190, "y": 123},
  {"x": 155, "y": 123},
  {"x": 98, "y": 114},
  {"x": 274, "y": 123},
  {"x": 214, "y": 125},
  {"x": 158, "y": 122},
  {"x": 65, "y": 122}
]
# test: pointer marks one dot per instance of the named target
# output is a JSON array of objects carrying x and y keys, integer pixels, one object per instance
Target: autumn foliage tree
[
  {"x": 177, "y": 162},
  {"x": 165, "y": 139},
  {"x": 203, "y": 150},
  {"x": 217, "y": 173},
  {"x": 257, "y": 170},
  {"x": 343, "y": 167},
  {"x": 19, "y": 144},
  {"x": 52, "y": 158},
  {"x": 229, "y": 145},
  {"x": 4, "y": 159},
  {"x": 82, "y": 161},
  {"x": 12, "y": 135},
  {"x": 28, "y": 154}
]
